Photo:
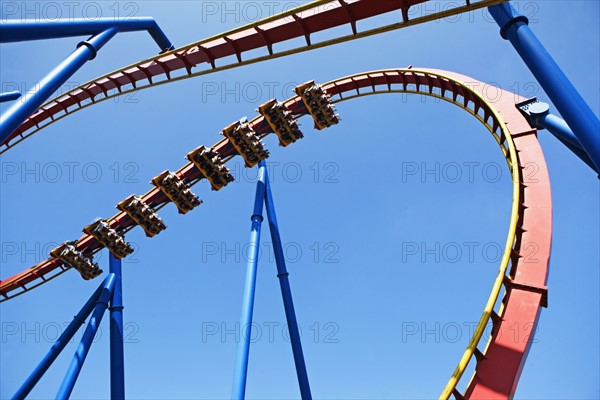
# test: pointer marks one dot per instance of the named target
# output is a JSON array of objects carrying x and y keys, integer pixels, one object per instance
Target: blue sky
[{"x": 376, "y": 320}]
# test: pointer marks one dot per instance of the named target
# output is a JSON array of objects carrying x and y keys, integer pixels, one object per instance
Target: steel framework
[{"x": 513, "y": 127}]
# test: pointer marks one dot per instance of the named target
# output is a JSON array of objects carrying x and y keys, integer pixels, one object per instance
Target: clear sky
[{"x": 377, "y": 320}]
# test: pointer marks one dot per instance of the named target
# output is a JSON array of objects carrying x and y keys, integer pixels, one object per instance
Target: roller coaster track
[
  {"x": 521, "y": 272},
  {"x": 200, "y": 58}
]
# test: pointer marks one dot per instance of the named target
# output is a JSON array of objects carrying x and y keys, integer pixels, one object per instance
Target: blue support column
[
  {"x": 559, "y": 128},
  {"x": 86, "y": 341},
  {"x": 578, "y": 115},
  {"x": 102, "y": 31},
  {"x": 60, "y": 344},
  {"x": 9, "y": 96},
  {"x": 18, "y": 31},
  {"x": 286, "y": 293},
  {"x": 117, "y": 359},
  {"x": 243, "y": 351},
  {"x": 539, "y": 117},
  {"x": 19, "y": 111}
]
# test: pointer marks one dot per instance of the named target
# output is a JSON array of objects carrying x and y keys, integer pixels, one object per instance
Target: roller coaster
[{"x": 499, "y": 362}]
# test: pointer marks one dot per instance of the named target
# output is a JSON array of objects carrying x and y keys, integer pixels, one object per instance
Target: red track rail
[
  {"x": 525, "y": 284},
  {"x": 184, "y": 62}
]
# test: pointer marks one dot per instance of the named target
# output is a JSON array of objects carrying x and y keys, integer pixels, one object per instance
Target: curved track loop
[
  {"x": 186, "y": 62},
  {"x": 528, "y": 241}
]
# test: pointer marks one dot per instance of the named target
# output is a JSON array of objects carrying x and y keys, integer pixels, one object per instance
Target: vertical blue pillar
[
  {"x": 117, "y": 362},
  {"x": 64, "y": 392},
  {"x": 241, "y": 365},
  {"x": 58, "y": 347},
  {"x": 578, "y": 115},
  {"x": 286, "y": 293}
]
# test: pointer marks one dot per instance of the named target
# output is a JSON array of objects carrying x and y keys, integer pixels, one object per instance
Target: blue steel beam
[
  {"x": 102, "y": 30},
  {"x": 559, "y": 128},
  {"x": 537, "y": 112},
  {"x": 81, "y": 353},
  {"x": 9, "y": 96},
  {"x": 17, "y": 31},
  {"x": 241, "y": 365},
  {"x": 59, "y": 345},
  {"x": 18, "y": 112},
  {"x": 117, "y": 359},
  {"x": 286, "y": 293},
  {"x": 578, "y": 115}
]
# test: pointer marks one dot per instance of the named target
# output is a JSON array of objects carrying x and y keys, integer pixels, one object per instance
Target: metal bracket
[
  {"x": 532, "y": 108},
  {"x": 543, "y": 290}
]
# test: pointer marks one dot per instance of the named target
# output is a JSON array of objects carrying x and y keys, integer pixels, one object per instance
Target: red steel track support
[{"x": 498, "y": 373}]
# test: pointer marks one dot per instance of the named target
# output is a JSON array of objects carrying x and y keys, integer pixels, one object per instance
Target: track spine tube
[
  {"x": 117, "y": 360},
  {"x": 243, "y": 351},
  {"x": 286, "y": 294},
  {"x": 59, "y": 345},
  {"x": 578, "y": 115},
  {"x": 64, "y": 392}
]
